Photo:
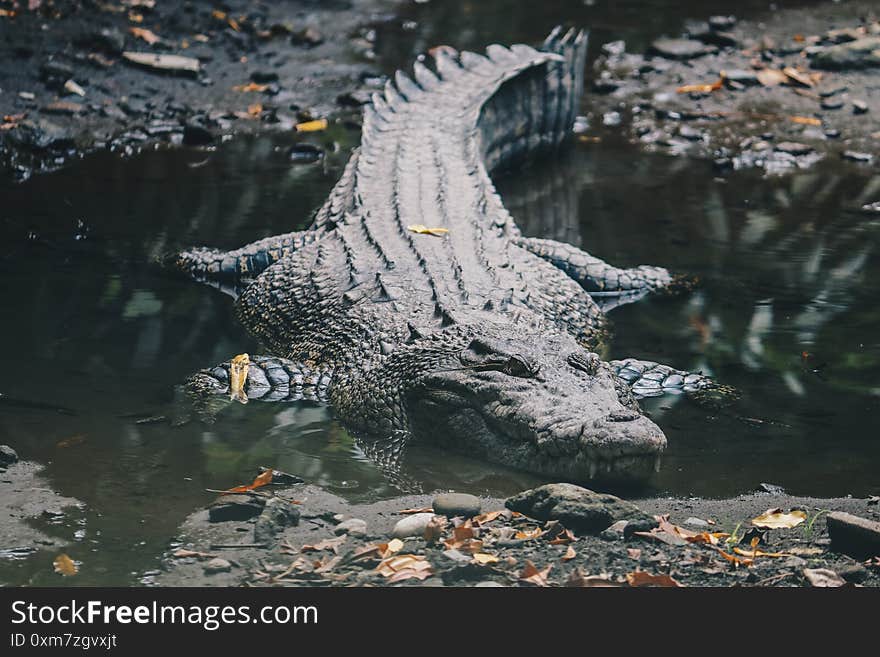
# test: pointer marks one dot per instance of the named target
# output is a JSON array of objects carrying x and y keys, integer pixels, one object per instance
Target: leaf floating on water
[
  {"x": 640, "y": 578},
  {"x": 311, "y": 126},
  {"x": 702, "y": 88},
  {"x": 259, "y": 482},
  {"x": 249, "y": 87},
  {"x": 532, "y": 575},
  {"x": 805, "y": 120},
  {"x": 65, "y": 566},
  {"x": 421, "y": 229},
  {"x": 145, "y": 35},
  {"x": 778, "y": 519}
]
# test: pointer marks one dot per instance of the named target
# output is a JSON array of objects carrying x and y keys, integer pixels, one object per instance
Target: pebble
[
  {"x": 856, "y": 156},
  {"x": 679, "y": 48},
  {"x": 457, "y": 556},
  {"x": 352, "y": 526},
  {"x": 217, "y": 565},
  {"x": 413, "y": 525},
  {"x": 235, "y": 507},
  {"x": 793, "y": 148},
  {"x": 859, "y": 107},
  {"x": 8, "y": 456},
  {"x": 852, "y": 535},
  {"x": 690, "y": 133},
  {"x": 611, "y": 119},
  {"x": 696, "y": 522},
  {"x": 304, "y": 153},
  {"x": 488, "y": 584},
  {"x": 456, "y": 504},
  {"x": 832, "y": 103}
]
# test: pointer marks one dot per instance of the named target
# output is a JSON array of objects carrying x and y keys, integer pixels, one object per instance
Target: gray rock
[
  {"x": 859, "y": 107},
  {"x": 854, "y": 573},
  {"x": 639, "y": 525},
  {"x": 235, "y": 507},
  {"x": 722, "y": 22},
  {"x": 857, "y": 156},
  {"x": 413, "y": 525},
  {"x": 275, "y": 517},
  {"x": 852, "y": 535},
  {"x": 861, "y": 53},
  {"x": 457, "y": 556},
  {"x": 577, "y": 508},
  {"x": 353, "y": 526},
  {"x": 8, "y": 455},
  {"x": 793, "y": 148},
  {"x": 679, "y": 48},
  {"x": 217, "y": 565},
  {"x": 488, "y": 584},
  {"x": 611, "y": 119},
  {"x": 774, "y": 489},
  {"x": 832, "y": 103},
  {"x": 614, "y": 48},
  {"x": 195, "y": 134},
  {"x": 457, "y": 504},
  {"x": 689, "y": 133},
  {"x": 696, "y": 522},
  {"x": 742, "y": 76}
]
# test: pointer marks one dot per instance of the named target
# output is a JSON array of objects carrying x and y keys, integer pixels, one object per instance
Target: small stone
[
  {"x": 195, "y": 134},
  {"x": 577, "y": 508},
  {"x": 307, "y": 37},
  {"x": 8, "y": 456},
  {"x": 235, "y": 507},
  {"x": 696, "y": 522},
  {"x": 832, "y": 133},
  {"x": 771, "y": 488},
  {"x": 832, "y": 103},
  {"x": 852, "y": 535},
  {"x": 26, "y": 95},
  {"x": 793, "y": 148},
  {"x": 861, "y": 53},
  {"x": 795, "y": 563},
  {"x": 581, "y": 125},
  {"x": 217, "y": 565},
  {"x": 352, "y": 526},
  {"x": 610, "y": 536},
  {"x": 53, "y": 71},
  {"x": 457, "y": 556},
  {"x": 605, "y": 85},
  {"x": 859, "y": 107},
  {"x": 680, "y": 49},
  {"x": 64, "y": 107},
  {"x": 262, "y": 77},
  {"x": 854, "y": 573},
  {"x": 457, "y": 504},
  {"x": 614, "y": 48},
  {"x": 690, "y": 133},
  {"x": 277, "y": 514},
  {"x": 641, "y": 525},
  {"x": 488, "y": 584},
  {"x": 823, "y": 578},
  {"x": 856, "y": 156},
  {"x": 834, "y": 91},
  {"x": 722, "y": 22},
  {"x": 611, "y": 119},
  {"x": 413, "y": 525}
]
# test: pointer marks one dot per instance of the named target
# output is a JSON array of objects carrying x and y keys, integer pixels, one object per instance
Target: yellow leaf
[
  {"x": 702, "y": 88},
  {"x": 64, "y": 566},
  {"x": 255, "y": 110},
  {"x": 238, "y": 373},
  {"x": 778, "y": 519},
  {"x": 805, "y": 120},
  {"x": 394, "y": 545},
  {"x": 483, "y": 558},
  {"x": 260, "y": 481},
  {"x": 421, "y": 229},
  {"x": 250, "y": 86},
  {"x": 312, "y": 126},
  {"x": 145, "y": 35}
]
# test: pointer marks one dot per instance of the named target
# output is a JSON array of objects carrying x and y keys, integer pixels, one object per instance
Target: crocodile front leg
[
  {"x": 609, "y": 285},
  {"x": 649, "y": 379}
]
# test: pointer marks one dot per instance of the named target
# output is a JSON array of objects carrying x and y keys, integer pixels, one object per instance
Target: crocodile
[{"x": 415, "y": 307}]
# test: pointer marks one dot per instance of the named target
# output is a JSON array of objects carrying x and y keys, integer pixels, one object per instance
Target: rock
[
  {"x": 689, "y": 133},
  {"x": 8, "y": 456},
  {"x": 284, "y": 478},
  {"x": 742, "y": 76},
  {"x": 488, "y": 584},
  {"x": 771, "y": 488},
  {"x": 173, "y": 64},
  {"x": 832, "y": 133},
  {"x": 352, "y": 526},
  {"x": 861, "y": 53},
  {"x": 793, "y": 148},
  {"x": 722, "y": 22},
  {"x": 307, "y": 37},
  {"x": 696, "y": 522},
  {"x": 605, "y": 86},
  {"x": 577, "y": 508},
  {"x": 195, "y": 134},
  {"x": 852, "y": 535},
  {"x": 854, "y": 573},
  {"x": 680, "y": 49},
  {"x": 277, "y": 514},
  {"x": 614, "y": 48},
  {"x": 702, "y": 31},
  {"x": 64, "y": 107},
  {"x": 856, "y": 156},
  {"x": 641, "y": 525},
  {"x": 217, "y": 565},
  {"x": 457, "y": 556},
  {"x": 457, "y": 504},
  {"x": 859, "y": 107},
  {"x": 611, "y": 119},
  {"x": 413, "y": 525},
  {"x": 263, "y": 77},
  {"x": 832, "y": 103},
  {"x": 235, "y": 507}
]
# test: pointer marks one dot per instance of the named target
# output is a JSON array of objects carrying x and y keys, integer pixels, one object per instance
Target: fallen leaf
[
  {"x": 570, "y": 554},
  {"x": 326, "y": 544},
  {"x": 64, "y": 566},
  {"x": 532, "y": 575},
  {"x": 483, "y": 558},
  {"x": 801, "y": 78},
  {"x": 770, "y": 77},
  {"x": 487, "y": 517},
  {"x": 640, "y": 578},
  {"x": 72, "y": 87},
  {"x": 394, "y": 545},
  {"x": 823, "y": 577},
  {"x": 702, "y": 88},
  {"x": 434, "y": 529},
  {"x": 711, "y": 538},
  {"x": 260, "y": 481},
  {"x": 778, "y": 519},
  {"x": 529, "y": 534},
  {"x": 183, "y": 554},
  {"x": 732, "y": 559},
  {"x": 311, "y": 126},
  {"x": 145, "y": 35},
  {"x": 580, "y": 580},
  {"x": 805, "y": 120},
  {"x": 634, "y": 553},
  {"x": 413, "y": 563},
  {"x": 327, "y": 564},
  {"x": 255, "y": 110},
  {"x": 249, "y": 87},
  {"x": 759, "y": 553}
]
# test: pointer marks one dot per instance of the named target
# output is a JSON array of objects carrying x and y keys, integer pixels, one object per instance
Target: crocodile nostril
[{"x": 623, "y": 416}]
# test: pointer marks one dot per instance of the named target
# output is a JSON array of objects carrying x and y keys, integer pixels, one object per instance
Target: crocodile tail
[{"x": 534, "y": 111}]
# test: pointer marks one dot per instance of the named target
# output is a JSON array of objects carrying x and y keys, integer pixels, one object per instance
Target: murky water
[{"x": 96, "y": 337}]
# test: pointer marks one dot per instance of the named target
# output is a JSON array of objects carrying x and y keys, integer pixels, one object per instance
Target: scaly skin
[{"x": 479, "y": 339}]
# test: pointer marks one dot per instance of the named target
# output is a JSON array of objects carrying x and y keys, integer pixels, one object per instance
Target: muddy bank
[
  {"x": 37, "y": 521},
  {"x": 338, "y": 544},
  {"x": 79, "y": 76},
  {"x": 777, "y": 94}
]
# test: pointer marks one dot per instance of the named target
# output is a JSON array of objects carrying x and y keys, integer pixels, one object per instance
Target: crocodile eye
[
  {"x": 588, "y": 362},
  {"x": 518, "y": 366}
]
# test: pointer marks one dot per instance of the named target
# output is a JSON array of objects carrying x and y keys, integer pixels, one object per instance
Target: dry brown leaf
[
  {"x": 327, "y": 564},
  {"x": 250, "y": 87},
  {"x": 483, "y": 558},
  {"x": 255, "y": 110},
  {"x": 778, "y": 519},
  {"x": 326, "y": 544},
  {"x": 434, "y": 529},
  {"x": 712, "y": 538},
  {"x": 823, "y": 577},
  {"x": 805, "y": 120},
  {"x": 145, "y": 35},
  {"x": 753, "y": 553},
  {"x": 640, "y": 578},
  {"x": 801, "y": 78},
  {"x": 183, "y": 554},
  {"x": 311, "y": 126},
  {"x": 487, "y": 517},
  {"x": 532, "y": 575},
  {"x": 570, "y": 554},
  {"x": 394, "y": 545},
  {"x": 261, "y": 480},
  {"x": 579, "y": 579},
  {"x": 634, "y": 553},
  {"x": 529, "y": 534},
  {"x": 702, "y": 88},
  {"x": 731, "y": 558},
  {"x": 421, "y": 229},
  {"x": 64, "y": 566},
  {"x": 403, "y": 562},
  {"x": 770, "y": 77}
]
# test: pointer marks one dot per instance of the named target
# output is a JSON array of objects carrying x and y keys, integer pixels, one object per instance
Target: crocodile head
[{"x": 539, "y": 403}]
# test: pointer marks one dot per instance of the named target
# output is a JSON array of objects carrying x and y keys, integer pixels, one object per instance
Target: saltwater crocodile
[{"x": 415, "y": 307}]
